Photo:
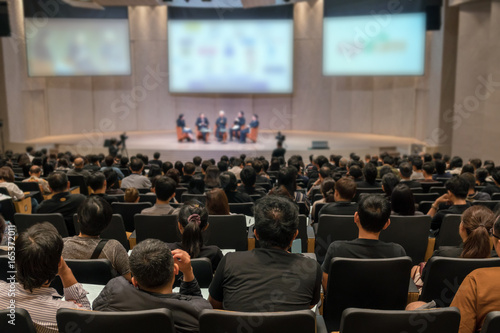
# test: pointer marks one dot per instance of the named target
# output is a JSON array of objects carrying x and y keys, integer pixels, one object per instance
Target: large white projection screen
[
  {"x": 231, "y": 56},
  {"x": 374, "y": 45},
  {"x": 78, "y": 47}
]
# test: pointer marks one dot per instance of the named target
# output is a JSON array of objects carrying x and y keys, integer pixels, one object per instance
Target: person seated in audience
[
  {"x": 481, "y": 175},
  {"x": 156, "y": 160},
  {"x": 78, "y": 169},
  {"x": 35, "y": 174},
  {"x": 229, "y": 184},
  {"x": 108, "y": 164},
  {"x": 493, "y": 188},
  {"x": 175, "y": 175},
  {"x": 164, "y": 189},
  {"x": 440, "y": 170},
  {"x": 237, "y": 167},
  {"x": 388, "y": 164},
  {"x": 217, "y": 203},
  {"x": 405, "y": 171},
  {"x": 62, "y": 165},
  {"x": 478, "y": 293},
  {"x": 253, "y": 124},
  {"x": 457, "y": 189},
  {"x": 456, "y": 165},
  {"x": 7, "y": 182},
  {"x": 196, "y": 185},
  {"x": 131, "y": 195},
  {"x": 4, "y": 237},
  {"x": 136, "y": 179},
  {"x": 389, "y": 182},
  {"x": 94, "y": 215},
  {"x": 94, "y": 164},
  {"x": 345, "y": 190},
  {"x": 193, "y": 221},
  {"x": 181, "y": 122},
  {"x": 62, "y": 201},
  {"x": 427, "y": 170},
  {"x": 473, "y": 195},
  {"x": 370, "y": 176},
  {"x": 248, "y": 178},
  {"x": 112, "y": 183},
  {"x": 187, "y": 172},
  {"x": 38, "y": 262},
  {"x": 245, "y": 281},
  {"x": 287, "y": 177},
  {"x": 154, "y": 267},
  {"x": 403, "y": 202},
  {"x": 467, "y": 169},
  {"x": 154, "y": 171},
  {"x": 417, "y": 173},
  {"x": 324, "y": 172},
  {"x": 212, "y": 177},
  {"x": 97, "y": 183},
  {"x": 371, "y": 218},
  {"x": 262, "y": 176},
  {"x": 328, "y": 193},
  {"x": 296, "y": 162},
  {"x": 476, "y": 163},
  {"x": 355, "y": 173}
]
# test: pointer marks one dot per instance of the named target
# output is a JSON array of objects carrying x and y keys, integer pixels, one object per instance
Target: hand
[
  {"x": 62, "y": 268},
  {"x": 183, "y": 260},
  {"x": 442, "y": 199}
]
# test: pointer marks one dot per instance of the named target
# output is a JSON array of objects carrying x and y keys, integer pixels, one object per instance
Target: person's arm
[
  {"x": 435, "y": 206},
  {"x": 465, "y": 300},
  {"x": 17, "y": 193},
  {"x": 189, "y": 285},
  {"x": 216, "y": 288},
  {"x": 324, "y": 282},
  {"x": 73, "y": 291},
  {"x": 119, "y": 173},
  {"x": 326, "y": 266}
]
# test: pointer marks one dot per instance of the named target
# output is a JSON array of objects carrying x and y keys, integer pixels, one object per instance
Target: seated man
[
  {"x": 35, "y": 174},
  {"x": 417, "y": 168},
  {"x": 370, "y": 174},
  {"x": 79, "y": 169},
  {"x": 253, "y": 124},
  {"x": 248, "y": 177},
  {"x": 473, "y": 195},
  {"x": 202, "y": 126},
  {"x": 97, "y": 183},
  {"x": 405, "y": 171},
  {"x": 440, "y": 170},
  {"x": 239, "y": 122},
  {"x": 154, "y": 268},
  {"x": 188, "y": 172},
  {"x": 345, "y": 190},
  {"x": 62, "y": 201},
  {"x": 268, "y": 278},
  {"x": 108, "y": 164},
  {"x": 94, "y": 215},
  {"x": 165, "y": 191},
  {"x": 371, "y": 218},
  {"x": 136, "y": 179},
  {"x": 220, "y": 125},
  {"x": 428, "y": 170},
  {"x": 38, "y": 261},
  {"x": 493, "y": 188}
]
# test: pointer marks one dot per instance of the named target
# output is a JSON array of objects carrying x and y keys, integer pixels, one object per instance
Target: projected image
[
  {"x": 230, "y": 56},
  {"x": 371, "y": 45},
  {"x": 78, "y": 47}
]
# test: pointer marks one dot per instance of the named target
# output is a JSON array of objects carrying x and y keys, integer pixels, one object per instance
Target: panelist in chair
[
  {"x": 253, "y": 124},
  {"x": 220, "y": 125},
  {"x": 239, "y": 122},
  {"x": 202, "y": 126},
  {"x": 181, "y": 122}
]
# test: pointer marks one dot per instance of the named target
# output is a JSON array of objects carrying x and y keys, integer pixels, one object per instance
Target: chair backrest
[
  {"x": 128, "y": 210},
  {"x": 495, "y": 196},
  {"x": 316, "y": 197},
  {"x": 7, "y": 209},
  {"x": 491, "y": 323},
  {"x": 255, "y": 197},
  {"x": 115, "y": 230},
  {"x": 227, "y": 232},
  {"x": 448, "y": 233},
  {"x": 163, "y": 227},
  {"x": 438, "y": 189},
  {"x": 365, "y": 283},
  {"x": 303, "y": 208},
  {"x": 411, "y": 232},
  {"x": 157, "y": 321},
  {"x": 199, "y": 197},
  {"x": 31, "y": 187},
  {"x": 92, "y": 271},
  {"x": 425, "y": 206},
  {"x": 21, "y": 319},
  {"x": 332, "y": 228},
  {"x": 120, "y": 197},
  {"x": 419, "y": 197},
  {"x": 245, "y": 208},
  {"x": 178, "y": 193},
  {"x": 442, "y": 180},
  {"x": 151, "y": 198},
  {"x": 319, "y": 205},
  {"x": 80, "y": 182},
  {"x": 491, "y": 204},
  {"x": 416, "y": 190},
  {"x": 24, "y": 221},
  {"x": 203, "y": 271},
  {"x": 444, "y": 276},
  {"x": 265, "y": 186},
  {"x": 213, "y": 321},
  {"x": 445, "y": 320},
  {"x": 427, "y": 185},
  {"x": 370, "y": 190}
]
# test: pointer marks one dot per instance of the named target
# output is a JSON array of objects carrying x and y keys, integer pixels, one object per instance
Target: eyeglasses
[{"x": 497, "y": 237}]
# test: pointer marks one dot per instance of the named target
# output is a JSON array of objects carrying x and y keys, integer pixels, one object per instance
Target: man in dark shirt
[
  {"x": 229, "y": 184},
  {"x": 268, "y": 278},
  {"x": 345, "y": 190},
  {"x": 94, "y": 165},
  {"x": 491, "y": 189},
  {"x": 253, "y": 124},
  {"x": 370, "y": 174},
  {"x": 239, "y": 122},
  {"x": 371, "y": 218},
  {"x": 62, "y": 201},
  {"x": 279, "y": 151},
  {"x": 156, "y": 160},
  {"x": 405, "y": 171},
  {"x": 97, "y": 183},
  {"x": 154, "y": 268},
  {"x": 441, "y": 170},
  {"x": 457, "y": 190},
  {"x": 248, "y": 177},
  {"x": 202, "y": 126},
  {"x": 188, "y": 169}
]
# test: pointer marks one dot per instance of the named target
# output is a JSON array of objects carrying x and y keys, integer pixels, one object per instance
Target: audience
[
  {"x": 131, "y": 195},
  {"x": 389, "y": 182},
  {"x": 164, "y": 189},
  {"x": 441, "y": 170},
  {"x": 212, "y": 177},
  {"x": 229, "y": 184},
  {"x": 217, "y": 203},
  {"x": 370, "y": 176},
  {"x": 188, "y": 172},
  {"x": 403, "y": 202},
  {"x": 136, "y": 179},
  {"x": 495, "y": 187},
  {"x": 35, "y": 174},
  {"x": 473, "y": 195},
  {"x": 109, "y": 161},
  {"x": 345, "y": 190},
  {"x": 248, "y": 178},
  {"x": 328, "y": 193},
  {"x": 97, "y": 182},
  {"x": 7, "y": 182},
  {"x": 196, "y": 185},
  {"x": 405, "y": 171}
]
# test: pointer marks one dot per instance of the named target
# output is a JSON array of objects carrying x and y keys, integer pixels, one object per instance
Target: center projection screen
[{"x": 242, "y": 55}]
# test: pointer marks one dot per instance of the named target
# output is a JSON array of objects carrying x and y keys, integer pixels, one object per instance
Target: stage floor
[{"x": 165, "y": 142}]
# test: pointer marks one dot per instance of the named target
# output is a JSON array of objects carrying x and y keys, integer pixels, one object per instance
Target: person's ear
[
  {"x": 176, "y": 269},
  {"x": 256, "y": 234},
  {"x": 181, "y": 229},
  {"x": 296, "y": 234},
  {"x": 153, "y": 189},
  {"x": 134, "y": 282},
  {"x": 105, "y": 184},
  {"x": 356, "y": 218},
  {"x": 387, "y": 224}
]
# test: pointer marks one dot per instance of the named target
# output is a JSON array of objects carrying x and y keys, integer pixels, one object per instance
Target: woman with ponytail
[
  {"x": 192, "y": 221},
  {"x": 328, "y": 191}
]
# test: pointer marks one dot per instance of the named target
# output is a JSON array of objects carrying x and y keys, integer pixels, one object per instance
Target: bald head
[
  {"x": 35, "y": 170},
  {"x": 78, "y": 163}
]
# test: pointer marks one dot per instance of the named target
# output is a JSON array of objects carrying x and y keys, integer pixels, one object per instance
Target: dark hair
[
  {"x": 428, "y": 167},
  {"x": 58, "y": 181},
  {"x": 417, "y": 163},
  {"x": 374, "y": 212},
  {"x": 136, "y": 165},
  {"x": 156, "y": 155},
  {"x": 205, "y": 164},
  {"x": 389, "y": 182},
  {"x": 222, "y": 165},
  {"x": 94, "y": 215},
  {"x": 328, "y": 189},
  {"x": 109, "y": 160},
  {"x": 440, "y": 167},
  {"x": 248, "y": 176},
  {"x": 196, "y": 185},
  {"x": 38, "y": 253},
  {"x": 212, "y": 176},
  {"x": 124, "y": 161},
  {"x": 437, "y": 156},
  {"x": 427, "y": 157},
  {"x": 325, "y": 172},
  {"x": 197, "y": 160},
  {"x": 388, "y": 160},
  {"x": 287, "y": 177},
  {"x": 456, "y": 162},
  {"x": 481, "y": 175},
  {"x": 370, "y": 173},
  {"x": 477, "y": 222},
  {"x": 402, "y": 200},
  {"x": 193, "y": 219},
  {"x": 276, "y": 221},
  {"x": 496, "y": 176},
  {"x": 355, "y": 172},
  {"x": 175, "y": 175},
  {"x": 152, "y": 263},
  {"x": 166, "y": 166},
  {"x": 96, "y": 181},
  {"x": 217, "y": 203},
  {"x": 189, "y": 168},
  {"x": 470, "y": 179},
  {"x": 111, "y": 177},
  {"x": 346, "y": 187},
  {"x": 384, "y": 170},
  {"x": 476, "y": 163},
  {"x": 458, "y": 186},
  {"x": 275, "y": 164},
  {"x": 164, "y": 187},
  {"x": 405, "y": 169},
  {"x": 228, "y": 181},
  {"x": 467, "y": 169}
]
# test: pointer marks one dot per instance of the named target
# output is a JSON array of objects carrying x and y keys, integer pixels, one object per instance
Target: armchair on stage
[
  {"x": 252, "y": 136},
  {"x": 199, "y": 133},
  {"x": 181, "y": 136}
]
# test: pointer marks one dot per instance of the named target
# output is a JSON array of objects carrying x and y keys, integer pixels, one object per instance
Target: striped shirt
[{"x": 43, "y": 303}]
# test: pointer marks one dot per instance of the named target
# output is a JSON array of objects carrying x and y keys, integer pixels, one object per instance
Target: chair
[
  {"x": 442, "y": 180},
  {"x": 265, "y": 186},
  {"x": 181, "y": 136},
  {"x": 199, "y": 135},
  {"x": 198, "y": 197},
  {"x": 319, "y": 205},
  {"x": 369, "y": 190},
  {"x": 444, "y": 276},
  {"x": 490, "y": 203},
  {"x": 416, "y": 190},
  {"x": 316, "y": 197},
  {"x": 252, "y": 135},
  {"x": 227, "y": 232},
  {"x": 380, "y": 284},
  {"x": 32, "y": 187},
  {"x": 448, "y": 233},
  {"x": 203, "y": 271},
  {"x": 80, "y": 182},
  {"x": 162, "y": 227},
  {"x": 491, "y": 323},
  {"x": 427, "y": 185},
  {"x": 20, "y": 206},
  {"x": 332, "y": 228},
  {"x": 445, "y": 320},
  {"x": 255, "y": 197},
  {"x": 420, "y": 197},
  {"x": 178, "y": 193},
  {"x": 425, "y": 206},
  {"x": 438, "y": 189},
  {"x": 25, "y": 221},
  {"x": 495, "y": 196},
  {"x": 213, "y": 321},
  {"x": 23, "y": 322},
  {"x": 115, "y": 230},
  {"x": 156, "y": 321},
  {"x": 303, "y": 208},
  {"x": 7, "y": 209},
  {"x": 245, "y": 208},
  {"x": 151, "y": 198},
  {"x": 411, "y": 232},
  {"x": 128, "y": 210},
  {"x": 120, "y": 197},
  {"x": 92, "y": 271}
]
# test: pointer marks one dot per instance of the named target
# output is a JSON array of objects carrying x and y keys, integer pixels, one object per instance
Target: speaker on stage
[{"x": 319, "y": 145}]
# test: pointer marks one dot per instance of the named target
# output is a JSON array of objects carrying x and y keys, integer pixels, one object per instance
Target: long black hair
[{"x": 194, "y": 219}]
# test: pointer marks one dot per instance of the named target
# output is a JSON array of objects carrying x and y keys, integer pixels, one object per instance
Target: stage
[{"x": 165, "y": 142}]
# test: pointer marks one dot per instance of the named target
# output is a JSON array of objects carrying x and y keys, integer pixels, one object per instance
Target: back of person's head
[
  {"x": 388, "y": 160},
  {"x": 355, "y": 172},
  {"x": 346, "y": 188},
  {"x": 437, "y": 156},
  {"x": 389, "y": 182},
  {"x": 94, "y": 215},
  {"x": 322, "y": 160},
  {"x": 248, "y": 176},
  {"x": 194, "y": 219},
  {"x": 223, "y": 166},
  {"x": 152, "y": 264},
  {"x": 328, "y": 189},
  {"x": 197, "y": 160},
  {"x": 175, "y": 175},
  {"x": 467, "y": 169},
  {"x": 477, "y": 221},
  {"x": 165, "y": 166},
  {"x": 276, "y": 221},
  {"x": 281, "y": 191},
  {"x": 228, "y": 181},
  {"x": 109, "y": 161},
  {"x": 495, "y": 174},
  {"x": 257, "y": 166},
  {"x": 156, "y": 155},
  {"x": 237, "y": 162},
  {"x": 402, "y": 200},
  {"x": 325, "y": 172},
  {"x": 189, "y": 168},
  {"x": 370, "y": 173},
  {"x": 428, "y": 167},
  {"x": 384, "y": 170},
  {"x": 96, "y": 181},
  {"x": 35, "y": 170},
  {"x": 458, "y": 186},
  {"x": 427, "y": 157},
  {"x": 440, "y": 167},
  {"x": 417, "y": 162},
  {"x": 287, "y": 177},
  {"x": 295, "y": 162},
  {"x": 111, "y": 178},
  {"x": 131, "y": 195},
  {"x": 217, "y": 203},
  {"x": 406, "y": 170},
  {"x": 456, "y": 162},
  {"x": 179, "y": 166},
  {"x": 7, "y": 174},
  {"x": 154, "y": 171},
  {"x": 164, "y": 188},
  {"x": 38, "y": 253},
  {"x": 212, "y": 176},
  {"x": 374, "y": 212},
  {"x": 476, "y": 163},
  {"x": 136, "y": 165},
  {"x": 470, "y": 179},
  {"x": 196, "y": 185},
  {"x": 205, "y": 164},
  {"x": 481, "y": 175},
  {"x": 124, "y": 161},
  {"x": 58, "y": 181}
]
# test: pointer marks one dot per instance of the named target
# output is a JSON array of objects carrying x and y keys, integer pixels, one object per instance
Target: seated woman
[
  {"x": 229, "y": 184},
  {"x": 389, "y": 182},
  {"x": 217, "y": 203},
  {"x": 94, "y": 215},
  {"x": 212, "y": 177},
  {"x": 112, "y": 182},
  {"x": 328, "y": 191},
  {"x": 193, "y": 220},
  {"x": 196, "y": 185},
  {"x": 7, "y": 181},
  {"x": 287, "y": 177},
  {"x": 181, "y": 122},
  {"x": 403, "y": 202}
]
